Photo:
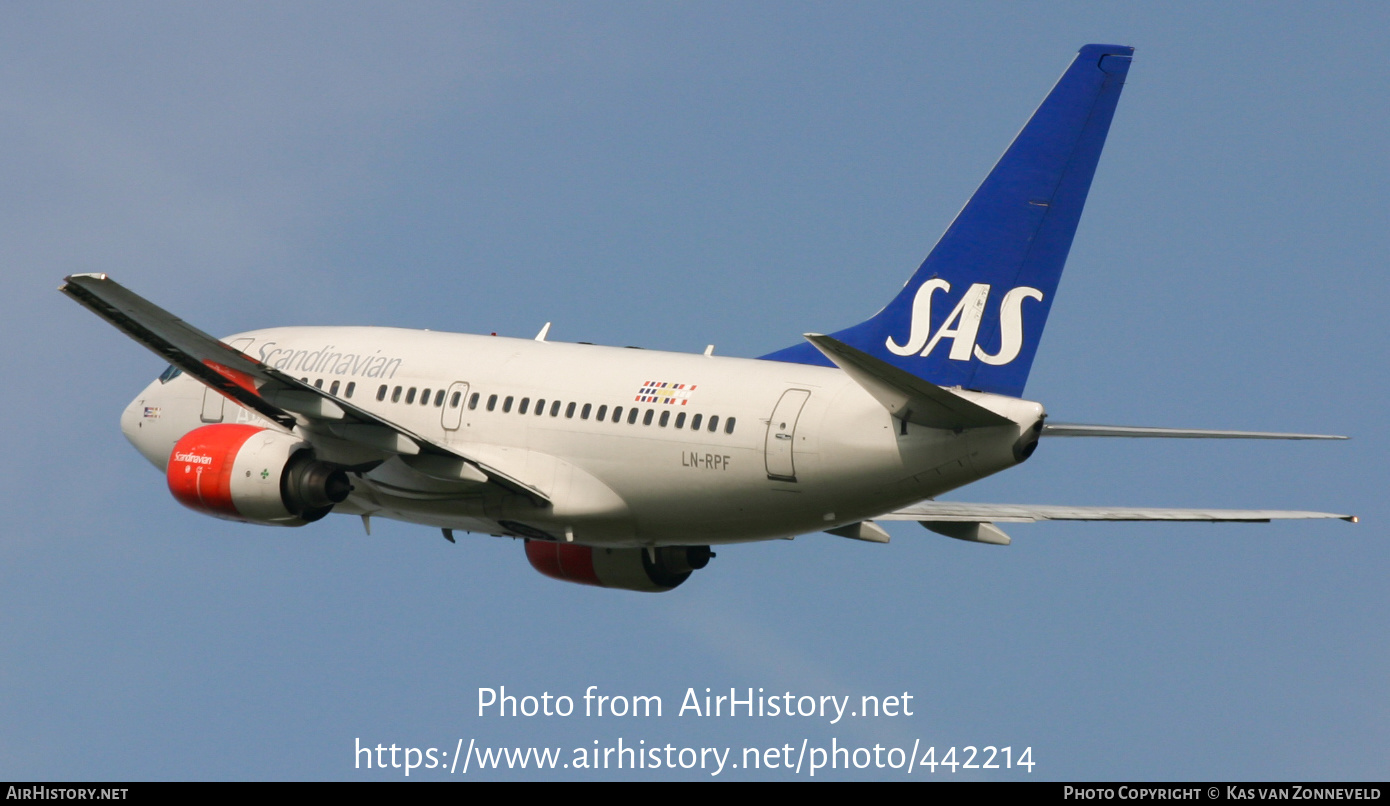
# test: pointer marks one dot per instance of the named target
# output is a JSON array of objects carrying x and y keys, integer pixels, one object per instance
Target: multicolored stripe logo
[{"x": 664, "y": 392}]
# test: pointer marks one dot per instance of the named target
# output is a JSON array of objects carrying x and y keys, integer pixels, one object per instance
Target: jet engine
[
  {"x": 253, "y": 474},
  {"x": 651, "y": 570}
]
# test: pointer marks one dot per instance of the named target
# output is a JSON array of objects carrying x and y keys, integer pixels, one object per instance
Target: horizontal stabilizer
[
  {"x": 947, "y": 511},
  {"x": 906, "y": 396},
  {"x": 1086, "y": 430}
]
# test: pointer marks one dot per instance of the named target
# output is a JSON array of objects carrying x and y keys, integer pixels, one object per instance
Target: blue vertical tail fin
[{"x": 974, "y": 311}]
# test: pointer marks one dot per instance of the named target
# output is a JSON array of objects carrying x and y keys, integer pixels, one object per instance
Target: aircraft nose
[
  {"x": 139, "y": 424},
  {"x": 130, "y": 419}
]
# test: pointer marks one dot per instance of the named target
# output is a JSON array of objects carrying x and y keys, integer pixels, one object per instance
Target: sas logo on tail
[{"x": 962, "y": 327}]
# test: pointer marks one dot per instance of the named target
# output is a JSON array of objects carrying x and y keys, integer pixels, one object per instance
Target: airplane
[{"x": 622, "y": 467}]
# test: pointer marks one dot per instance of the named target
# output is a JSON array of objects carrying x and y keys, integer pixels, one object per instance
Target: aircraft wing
[
  {"x": 1087, "y": 430},
  {"x": 960, "y": 512},
  {"x": 268, "y": 391}
]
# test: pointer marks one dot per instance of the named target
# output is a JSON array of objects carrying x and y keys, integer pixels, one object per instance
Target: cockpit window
[{"x": 169, "y": 374}]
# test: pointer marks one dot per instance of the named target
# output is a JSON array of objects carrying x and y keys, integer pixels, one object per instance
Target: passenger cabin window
[
  {"x": 713, "y": 423},
  {"x": 352, "y": 385},
  {"x": 381, "y": 392},
  {"x": 680, "y": 420},
  {"x": 632, "y": 415},
  {"x": 555, "y": 408},
  {"x": 439, "y": 399},
  {"x": 617, "y": 414},
  {"x": 540, "y": 407},
  {"x": 491, "y": 402},
  {"x": 473, "y": 401},
  {"x": 602, "y": 413},
  {"x": 729, "y": 426},
  {"x": 396, "y": 395},
  {"x": 410, "y": 395},
  {"x": 425, "y": 398},
  {"x": 455, "y": 399},
  {"x": 525, "y": 403},
  {"x": 647, "y": 418},
  {"x": 569, "y": 412},
  {"x": 333, "y": 390},
  {"x": 507, "y": 405},
  {"x": 665, "y": 418},
  {"x": 584, "y": 412},
  {"x": 318, "y": 384},
  {"x": 695, "y": 422}
]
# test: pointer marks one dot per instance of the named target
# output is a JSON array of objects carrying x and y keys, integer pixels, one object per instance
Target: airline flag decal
[{"x": 665, "y": 392}]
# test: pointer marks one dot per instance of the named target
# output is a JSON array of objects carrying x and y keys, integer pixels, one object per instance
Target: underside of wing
[
  {"x": 960, "y": 512},
  {"x": 975, "y": 523},
  {"x": 1088, "y": 430},
  {"x": 271, "y": 393}
]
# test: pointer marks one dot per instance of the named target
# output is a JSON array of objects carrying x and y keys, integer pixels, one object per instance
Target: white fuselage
[{"x": 808, "y": 450}]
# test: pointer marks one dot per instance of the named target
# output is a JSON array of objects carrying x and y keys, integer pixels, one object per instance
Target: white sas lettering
[
  {"x": 1010, "y": 326},
  {"x": 962, "y": 326},
  {"x": 921, "y": 318},
  {"x": 966, "y": 320}
]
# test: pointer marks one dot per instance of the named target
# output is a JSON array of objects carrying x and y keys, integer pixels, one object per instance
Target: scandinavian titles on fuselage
[{"x": 324, "y": 360}]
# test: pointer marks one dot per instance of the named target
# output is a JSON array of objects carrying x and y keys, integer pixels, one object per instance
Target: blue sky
[{"x": 673, "y": 175}]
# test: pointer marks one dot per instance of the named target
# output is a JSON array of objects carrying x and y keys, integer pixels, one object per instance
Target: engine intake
[{"x": 255, "y": 475}]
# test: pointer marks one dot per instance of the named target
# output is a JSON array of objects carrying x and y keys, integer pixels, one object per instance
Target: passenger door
[{"x": 781, "y": 435}]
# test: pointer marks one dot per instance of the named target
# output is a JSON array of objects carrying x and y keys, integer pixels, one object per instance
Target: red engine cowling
[
  {"x": 252, "y": 474},
  {"x": 650, "y": 570}
]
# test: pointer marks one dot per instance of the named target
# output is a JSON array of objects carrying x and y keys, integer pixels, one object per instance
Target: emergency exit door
[{"x": 454, "y": 402}]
